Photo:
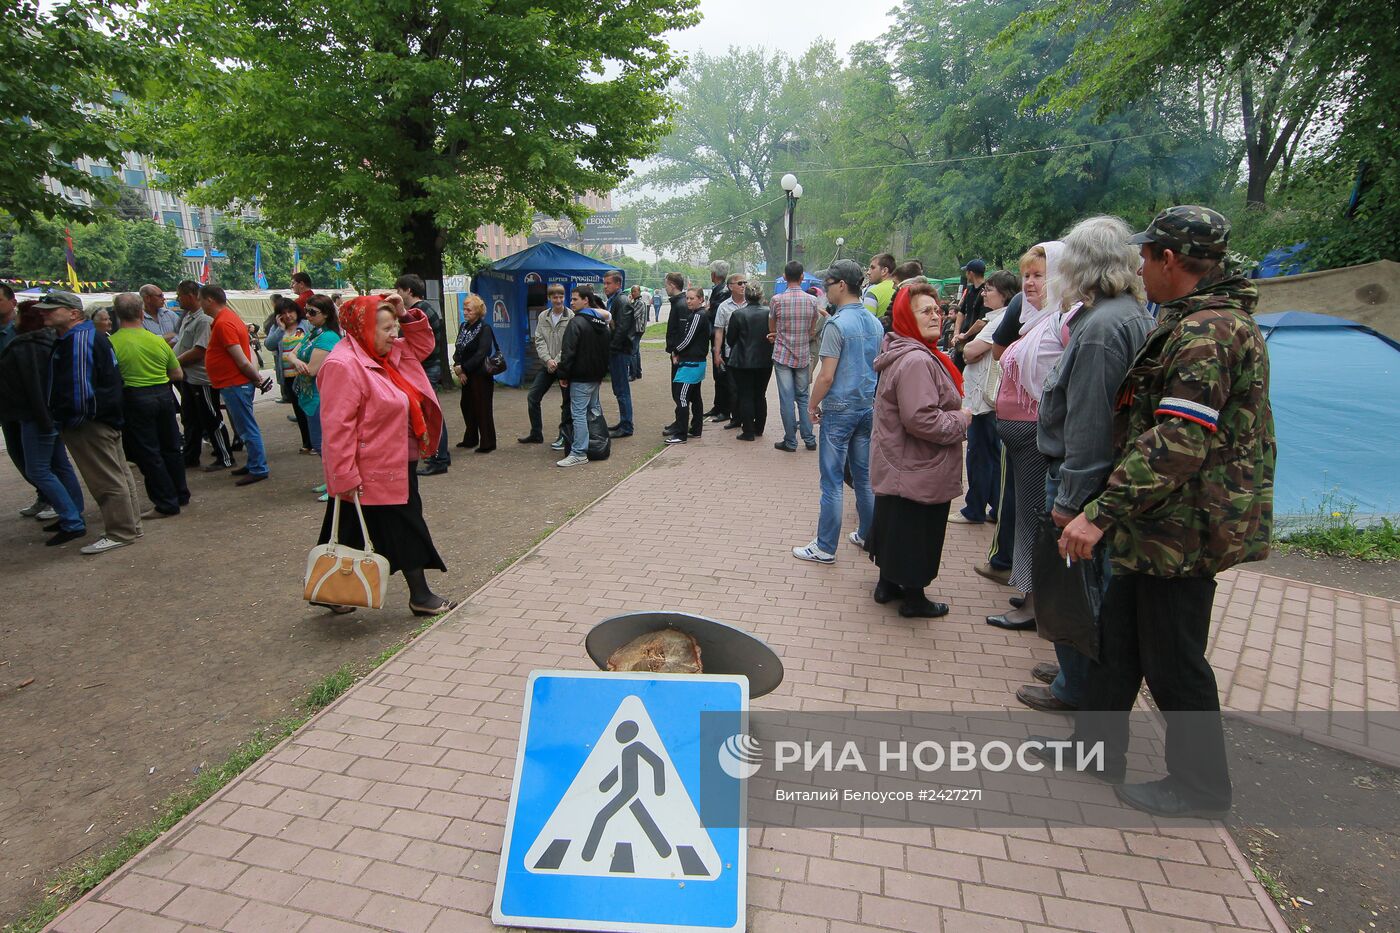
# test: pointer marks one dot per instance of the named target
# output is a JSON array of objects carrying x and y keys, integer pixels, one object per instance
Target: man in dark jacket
[
  {"x": 675, "y": 329},
  {"x": 624, "y": 324},
  {"x": 719, "y": 293},
  {"x": 583, "y": 362},
  {"x": 688, "y": 356},
  {"x": 86, "y": 402}
]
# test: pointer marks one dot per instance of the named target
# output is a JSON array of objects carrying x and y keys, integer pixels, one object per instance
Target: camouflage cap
[{"x": 1189, "y": 230}]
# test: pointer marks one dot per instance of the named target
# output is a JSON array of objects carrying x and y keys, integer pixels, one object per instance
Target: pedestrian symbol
[
  {"x": 604, "y": 830},
  {"x": 626, "y": 812}
]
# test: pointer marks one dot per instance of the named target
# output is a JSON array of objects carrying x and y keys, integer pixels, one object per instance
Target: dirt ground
[
  {"x": 1325, "y": 824},
  {"x": 123, "y": 674},
  {"x": 1373, "y": 578}
]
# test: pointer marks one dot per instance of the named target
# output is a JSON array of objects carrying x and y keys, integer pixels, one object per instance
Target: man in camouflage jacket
[{"x": 1190, "y": 495}]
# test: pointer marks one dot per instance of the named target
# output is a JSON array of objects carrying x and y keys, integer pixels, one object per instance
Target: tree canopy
[
  {"x": 403, "y": 127},
  {"x": 68, "y": 68}
]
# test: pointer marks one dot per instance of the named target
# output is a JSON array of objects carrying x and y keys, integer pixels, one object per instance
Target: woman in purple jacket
[{"x": 916, "y": 450}]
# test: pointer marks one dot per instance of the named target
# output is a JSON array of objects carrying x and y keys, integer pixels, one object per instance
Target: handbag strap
[{"x": 364, "y": 528}]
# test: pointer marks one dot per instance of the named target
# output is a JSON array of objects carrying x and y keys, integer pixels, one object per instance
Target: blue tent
[
  {"x": 1333, "y": 384},
  {"x": 514, "y": 291}
]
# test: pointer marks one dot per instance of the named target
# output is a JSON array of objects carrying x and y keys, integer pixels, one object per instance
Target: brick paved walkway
[{"x": 387, "y": 811}]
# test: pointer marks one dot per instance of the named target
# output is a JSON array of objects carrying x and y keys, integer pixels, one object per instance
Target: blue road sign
[{"x": 604, "y": 829}]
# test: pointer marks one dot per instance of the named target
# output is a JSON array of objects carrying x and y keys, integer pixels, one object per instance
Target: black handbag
[
  {"x": 1068, "y": 599},
  {"x": 496, "y": 362}
]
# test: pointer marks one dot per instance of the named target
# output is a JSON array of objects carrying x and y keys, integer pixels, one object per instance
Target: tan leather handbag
[{"x": 339, "y": 575}]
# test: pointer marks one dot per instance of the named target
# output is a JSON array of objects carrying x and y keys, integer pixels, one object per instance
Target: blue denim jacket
[{"x": 856, "y": 338}]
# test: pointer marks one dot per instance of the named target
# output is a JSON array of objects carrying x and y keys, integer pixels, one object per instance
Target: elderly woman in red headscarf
[
  {"x": 916, "y": 451},
  {"x": 379, "y": 415}
]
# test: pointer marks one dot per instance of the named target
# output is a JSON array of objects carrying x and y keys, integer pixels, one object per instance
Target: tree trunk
[{"x": 423, "y": 243}]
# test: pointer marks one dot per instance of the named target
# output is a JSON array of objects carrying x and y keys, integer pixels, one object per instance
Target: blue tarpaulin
[
  {"x": 513, "y": 290},
  {"x": 1333, "y": 385},
  {"x": 1281, "y": 261}
]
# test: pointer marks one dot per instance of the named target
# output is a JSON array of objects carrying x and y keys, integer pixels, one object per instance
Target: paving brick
[
  {"x": 892, "y": 914},
  {"x": 922, "y": 888},
  {"x": 1002, "y": 902},
  {"x": 209, "y": 908},
  {"x": 331, "y": 899},
  {"x": 266, "y": 918},
  {"x": 1083, "y": 915},
  {"x": 264, "y": 884},
  {"x": 272, "y": 853},
  {"x": 957, "y": 921},
  {"x": 332, "y": 866},
  {"x": 396, "y": 913},
  {"x": 1186, "y": 903},
  {"x": 134, "y": 921},
  {"x": 141, "y": 892},
  {"x": 831, "y": 903}
]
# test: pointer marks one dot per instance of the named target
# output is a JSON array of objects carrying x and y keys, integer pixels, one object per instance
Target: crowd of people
[
  {"x": 1048, "y": 397},
  {"x": 1144, "y": 441}
]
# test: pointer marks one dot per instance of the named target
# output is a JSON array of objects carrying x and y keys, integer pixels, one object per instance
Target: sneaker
[
  {"x": 958, "y": 518},
  {"x": 572, "y": 460},
  {"x": 855, "y": 538},
  {"x": 811, "y": 445},
  {"x": 717, "y": 419},
  {"x": 676, "y": 439},
  {"x": 784, "y": 447},
  {"x": 321, "y": 488},
  {"x": 32, "y": 510},
  {"x": 323, "y": 497},
  {"x": 557, "y": 445},
  {"x": 102, "y": 545},
  {"x": 813, "y": 553},
  {"x": 153, "y": 514},
  {"x": 47, "y": 515}
]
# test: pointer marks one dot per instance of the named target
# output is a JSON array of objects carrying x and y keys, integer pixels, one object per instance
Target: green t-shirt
[{"x": 143, "y": 358}]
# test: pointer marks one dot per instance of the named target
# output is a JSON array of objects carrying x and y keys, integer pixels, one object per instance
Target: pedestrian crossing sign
[{"x": 604, "y": 829}]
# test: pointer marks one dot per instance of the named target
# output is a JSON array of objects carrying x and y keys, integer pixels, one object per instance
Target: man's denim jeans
[
  {"x": 239, "y": 402},
  {"x": 793, "y": 389},
  {"x": 47, "y": 468},
  {"x": 845, "y": 438},
  {"x": 1074, "y": 667},
  {"x": 583, "y": 400},
  {"x": 620, "y": 369}
]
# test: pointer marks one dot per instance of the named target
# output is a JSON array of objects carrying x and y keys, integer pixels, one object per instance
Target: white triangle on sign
[{"x": 627, "y": 814}]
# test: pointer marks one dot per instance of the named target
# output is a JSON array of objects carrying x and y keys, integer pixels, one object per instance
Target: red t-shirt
[
  {"x": 228, "y": 330},
  {"x": 300, "y": 299}
]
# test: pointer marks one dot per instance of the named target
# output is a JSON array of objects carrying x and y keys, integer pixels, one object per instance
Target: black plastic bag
[
  {"x": 1067, "y": 599},
  {"x": 599, "y": 441}
]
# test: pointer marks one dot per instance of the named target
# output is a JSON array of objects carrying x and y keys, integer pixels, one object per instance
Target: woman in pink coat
[
  {"x": 915, "y": 453},
  {"x": 379, "y": 415}
]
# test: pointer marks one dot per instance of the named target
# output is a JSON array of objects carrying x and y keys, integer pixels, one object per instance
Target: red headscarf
[
  {"x": 906, "y": 326},
  {"x": 359, "y": 320}
]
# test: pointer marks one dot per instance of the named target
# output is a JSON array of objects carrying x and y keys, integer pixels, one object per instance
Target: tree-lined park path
[{"x": 386, "y": 812}]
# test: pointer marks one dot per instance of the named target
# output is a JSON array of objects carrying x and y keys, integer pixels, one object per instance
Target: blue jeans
[
  {"x": 313, "y": 428},
  {"x": 46, "y": 466},
  {"x": 1074, "y": 667},
  {"x": 239, "y": 402},
  {"x": 620, "y": 368},
  {"x": 845, "y": 439},
  {"x": 583, "y": 401},
  {"x": 792, "y": 389},
  {"x": 636, "y": 356}
]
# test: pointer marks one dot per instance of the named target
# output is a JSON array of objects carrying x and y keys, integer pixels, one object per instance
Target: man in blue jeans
[
  {"x": 583, "y": 362},
  {"x": 842, "y": 402}
]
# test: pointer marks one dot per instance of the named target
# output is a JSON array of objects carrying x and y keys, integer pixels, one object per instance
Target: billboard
[{"x": 602, "y": 227}]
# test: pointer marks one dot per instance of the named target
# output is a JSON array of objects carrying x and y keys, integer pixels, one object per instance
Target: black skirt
[
  {"x": 906, "y": 540},
  {"x": 397, "y": 531}
]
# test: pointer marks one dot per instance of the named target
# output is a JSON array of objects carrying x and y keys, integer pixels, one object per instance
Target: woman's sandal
[
  {"x": 447, "y": 606},
  {"x": 342, "y": 610}
]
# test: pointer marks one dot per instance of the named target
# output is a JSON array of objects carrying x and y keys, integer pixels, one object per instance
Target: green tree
[
  {"x": 99, "y": 250},
  {"x": 742, "y": 123},
  {"x": 66, "y": 66},
  {"x": 401, "y": 128},
  {"x": 237, "y": 241},
  {"x": 154, "y": 254}
]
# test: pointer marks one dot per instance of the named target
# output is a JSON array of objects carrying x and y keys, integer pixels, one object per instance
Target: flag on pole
[
  {"x": 296, "y": 257},
  {"x": 71, "y": 260},
  {"x": 259, "y": 278},
  {"x": 204, "y": 272}
]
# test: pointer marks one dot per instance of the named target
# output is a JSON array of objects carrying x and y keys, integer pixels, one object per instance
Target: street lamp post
[
  {"x": 840, "y": 242},
  {"x": 794, "y": 192}
]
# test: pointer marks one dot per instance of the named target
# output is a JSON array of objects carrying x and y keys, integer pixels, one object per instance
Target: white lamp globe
[{"x": 789, "y": 181}]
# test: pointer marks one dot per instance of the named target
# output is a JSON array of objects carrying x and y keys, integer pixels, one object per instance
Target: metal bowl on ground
[{"x": 724, "y": 649}]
